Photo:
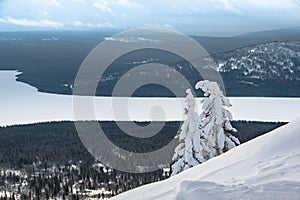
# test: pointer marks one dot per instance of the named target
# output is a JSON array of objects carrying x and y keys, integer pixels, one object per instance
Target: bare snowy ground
[
  {"x": 265, "y": 168},
  {"x": 22, "y": 104},
  {"x": 211, "y": 191}
]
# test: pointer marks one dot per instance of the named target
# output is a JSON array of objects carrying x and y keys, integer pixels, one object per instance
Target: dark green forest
[{"x": 58, "y": 142}]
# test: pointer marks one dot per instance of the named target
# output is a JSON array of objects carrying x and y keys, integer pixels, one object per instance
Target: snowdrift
[{"x": 267, "y": 167}]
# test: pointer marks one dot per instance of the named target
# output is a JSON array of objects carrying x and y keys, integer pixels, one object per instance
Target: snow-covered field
[
  {"x": 21, "y": 104},
  {"x": 265, "y": 168}
]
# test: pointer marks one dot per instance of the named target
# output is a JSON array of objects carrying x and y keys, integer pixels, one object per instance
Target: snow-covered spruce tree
[
  {"x": 215, "y": 127},
  {"x": 202, "y": 138},
  {"x": 184, "y": 156}
]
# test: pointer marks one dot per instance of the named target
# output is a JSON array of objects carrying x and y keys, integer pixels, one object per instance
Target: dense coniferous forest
[{"x": 48, "y": 160}]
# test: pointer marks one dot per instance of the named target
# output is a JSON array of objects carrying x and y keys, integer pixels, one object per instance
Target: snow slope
[{"x": 267, "y": 167}]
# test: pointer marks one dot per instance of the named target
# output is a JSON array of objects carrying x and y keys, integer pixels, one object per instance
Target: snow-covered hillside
[
  {"x": 274, "y": 60},
  {"x": 265, "y": 168}
]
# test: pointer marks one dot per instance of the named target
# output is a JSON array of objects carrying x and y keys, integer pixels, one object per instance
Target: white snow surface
[
  {"x": 22, "y": 104},
  {"x": 265, "y": 168}
]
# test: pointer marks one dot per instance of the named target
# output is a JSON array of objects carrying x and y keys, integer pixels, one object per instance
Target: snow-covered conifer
[
  {"x": 215, "y": 126},
  {"x": 184, "y": 156},
  {"x": 208, "y": 135}
]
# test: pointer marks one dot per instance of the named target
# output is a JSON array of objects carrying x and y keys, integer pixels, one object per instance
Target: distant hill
[
  {"x": 223, "y": 44},
  {"x": 274, "y": 35},
  {"x": 268, "y": 69}
]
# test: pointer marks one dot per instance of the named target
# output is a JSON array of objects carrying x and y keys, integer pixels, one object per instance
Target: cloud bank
[{"x": 199, "y": 16}]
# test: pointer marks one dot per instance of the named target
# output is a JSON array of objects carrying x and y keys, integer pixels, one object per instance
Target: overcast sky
[{"x": 201, "y": 17}]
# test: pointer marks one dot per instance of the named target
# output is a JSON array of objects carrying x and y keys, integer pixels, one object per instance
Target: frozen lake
[{"x": 22, "y": 104}]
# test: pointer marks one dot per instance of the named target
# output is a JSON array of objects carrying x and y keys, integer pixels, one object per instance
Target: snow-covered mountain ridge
[
  {"x": 267, "y": 167},
  {"x": 275, "y": 60},
  {"x": 268, "y": 69}
]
